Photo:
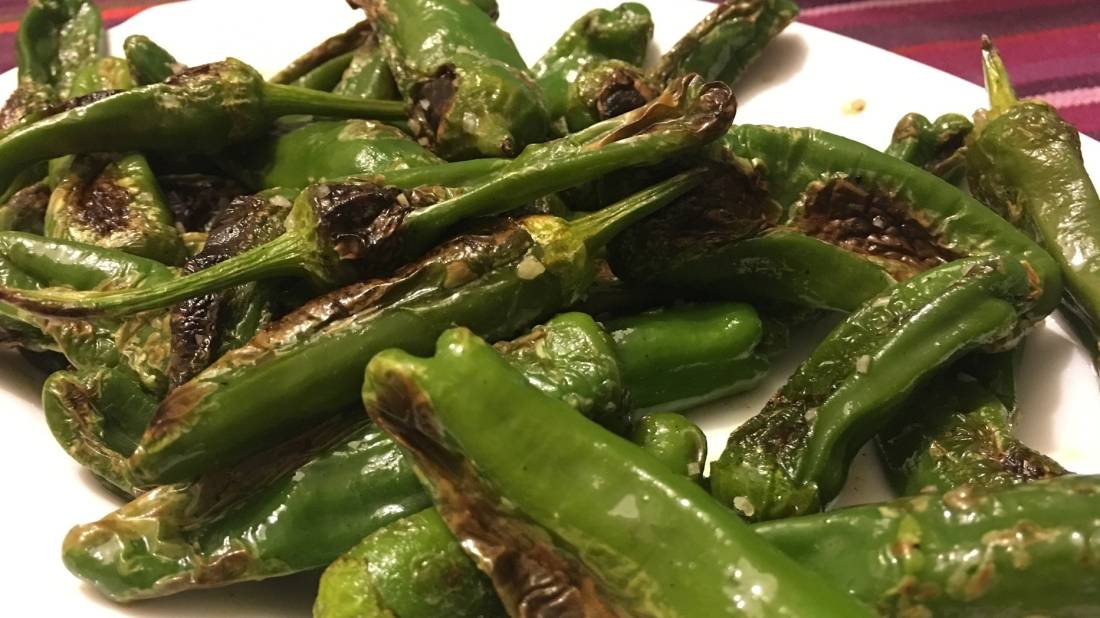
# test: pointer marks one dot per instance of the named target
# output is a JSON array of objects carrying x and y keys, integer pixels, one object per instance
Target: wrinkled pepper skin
[
  {"x": 723, "y": 45},
  {"x": 972, "y": 552},
  {"x": 590, "y": 73},
  {"x": 793, "y": 457},
  {"x": 937, "y": 146},
  {"x": 149, "y": 63},
  {"x": 306, "y": 366},
  {"x": 301, "y": 154},
  {"x": 956, "y": 430},
  {"x": 332, "y": 47},
  {"x": 351, "y": 231},
  {"x": 1024, "y": 161},
  {"x": 674, "y": 357},
  {"x": 468, "y": 90},
  {"x": 201, "y": 110},
  {"x": 54, "y": 38},
  {"x": 566, "y": 515}
]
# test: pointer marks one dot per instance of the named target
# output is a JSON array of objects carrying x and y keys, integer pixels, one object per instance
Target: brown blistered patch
[
  {"x": 81, "y": 101},
  {"x": 431, "y": 100},
  {"x": 706, "y": 109},
  {"x": 346, "y": 41},
  {"x": 532, "y": 577},
  {"x": 623, "y": 91},
  {"x": 95, "y": 201},
  {"x": 1025, "y": 464},
  {"x": 197, "y": 199},
  {"x": 842, "y": 213},
  {"x": 29, "y": 206},
  {"x": 193, "y": 326},
  {"x": 359, "y": 222}
]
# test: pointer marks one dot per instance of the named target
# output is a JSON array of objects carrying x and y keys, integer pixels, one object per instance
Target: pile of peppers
[{"x": 433, "y": 320}]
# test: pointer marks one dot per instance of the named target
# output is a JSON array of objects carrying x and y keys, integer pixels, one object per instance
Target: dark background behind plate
[{"x": 1052, "y": 47}]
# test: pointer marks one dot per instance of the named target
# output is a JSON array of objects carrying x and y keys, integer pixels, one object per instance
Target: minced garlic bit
[
  {"x": 810, "y": 415},
  {"x": 529, "y": 268},
  {"x": 863, "y": 363},
  {"x": 743, "y": 504},
  {"x": 855, "y": 106}
]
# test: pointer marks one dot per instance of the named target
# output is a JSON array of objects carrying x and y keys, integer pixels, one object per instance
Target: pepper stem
[
  {"x": 283, "y": 100},
  {"x": 598, "y": 228},
  {"x": 997, "y": 84},
  {"x": 287, "y": 255}
]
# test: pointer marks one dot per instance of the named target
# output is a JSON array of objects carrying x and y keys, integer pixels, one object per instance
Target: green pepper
[
  {"x": 326, "y": 75},
  {"x": 299, "y": 153},
  {"x": 25, "y": 211},
  {"x": 957, "y": 430},
  {"x": 1024, "y": 161},
  {"x": 468, "y": 90},
  {"x": 496, "y": 281},
  {"x": 368, "y": 74},
  {"x": 202, "y": 110},
  {"x": 859, "y": 219},
  {"x": 664, "y": 359},
  {"x": 938, "y": 147},
  {"x": 564, "y": 516},
  {"x": 793, "y": 457},
  {"x": 972, "y": 552},
  {"x": 721, "y": 46},
  {"x": 345, "y": 232},
  {"x": 55, "y": 37},
  {"x": 332, "y": 47},
  {"x": 590, "y": 73},
  {"x": 675, "y": 441},
  {"x": 149, "y": 63}
]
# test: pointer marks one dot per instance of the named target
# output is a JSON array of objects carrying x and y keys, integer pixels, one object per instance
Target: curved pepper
[
  {"x": 1024, "y": 161},
  {"x": 149, "y": 63},
  {"x": 674, "y": 440},
  {"x": 332, "y": 47},
  {"x": 721, "y": 46},
  {"x": 590, "y": 73},
  {"x": 972, "y": 552},
  {"x": 792, "y": 458},
  {"x": 345, "y": 232},
  {"x": 202, "y": 109},
  {"x": 562, "y": 514},
  {"x": 468, "y": 89},
  {"x": 326, "y": 75},
  {"x": 368, "y": 74},
  {"x": 939, "y": 147}
]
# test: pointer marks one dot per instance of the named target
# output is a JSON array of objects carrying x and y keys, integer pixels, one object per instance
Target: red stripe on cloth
[
  {"x": 882, "y": 13},
  {"x": 113, "y": 15}
]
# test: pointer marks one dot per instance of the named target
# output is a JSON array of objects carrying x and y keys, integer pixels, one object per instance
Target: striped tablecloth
[{"x": 1053, "y": 46}]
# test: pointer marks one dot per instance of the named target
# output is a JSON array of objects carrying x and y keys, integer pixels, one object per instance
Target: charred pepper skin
[
  {"x": 332, "y": 47},
  {"x": 468, "y": 90},
  {"x": 590, "y": 73},
  {"x": 351, "y": 231},
  {"x": 937, "y": 146},
  {"x": 497, "y": 282},
  {"x": 793, "y": 457},
  {"x": 199, "y": 110},
  {"x": 722, "y": 45},
  {"x": 972, "y": 551},
  {"x": 588, "y": 550},
  {"x": 1024, "y": 161},
  {"x": 149, "y": 63}
]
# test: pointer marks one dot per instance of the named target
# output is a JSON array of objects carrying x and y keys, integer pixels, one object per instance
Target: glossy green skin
[
  {"x": 793, "y": 457},
  {"x": 200, "y": 110},
  {"x": 560, "y": 486},
  {"x": 685, "y": 117},
  {"x": 97, "y": 415},
  {"x": 149, "y": 63},
  {"x": 53, "y": 262},
  {"x": 54, "y": 38},
  {"x": 307, "y": 366},
  {"x": 935, "y": 146},
  {"x": 360, "y": 584},
  {"x": 496, "y": 108},
  {"x": 326, "y": 75},
  {"x": 1026, "y": 164},
  {"x": 675, "y": 441},
  {"x": 723, "y": 45},
  {"x": 323, "y": 150},
  {"x": 248, "y": 523},
  {"x": 794, "y": 158},
  {"x": 673, "y": 358},
  {"x": 143, "y": 227},
  {"x": 368, "y": 75},
  {"x": 972, "y": 552},
  {"x": 956, "y": 431},
  {"x": 622, "y": 33}
]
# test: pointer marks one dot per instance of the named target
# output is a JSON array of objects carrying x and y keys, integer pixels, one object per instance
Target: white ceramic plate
[{"x": 806, "y": 77}]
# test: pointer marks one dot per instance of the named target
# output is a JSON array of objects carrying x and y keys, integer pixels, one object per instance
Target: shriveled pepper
[
  {"x": 202, "y": 109},
  {"x": 468, "y": 90},
  {"x": 149, "y": 63},
  {"x": 792, "y": 458},
  {"x": 564, "y": 516},
  {"x": 1024, "y": 161},
  {"x": 721, "y": 46},
  {"x": 590, "y": 73},
  {"x": 345, "y": 231},
  {"x": 332, "y": 47},
  {"x": 937, "y": 146}
]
